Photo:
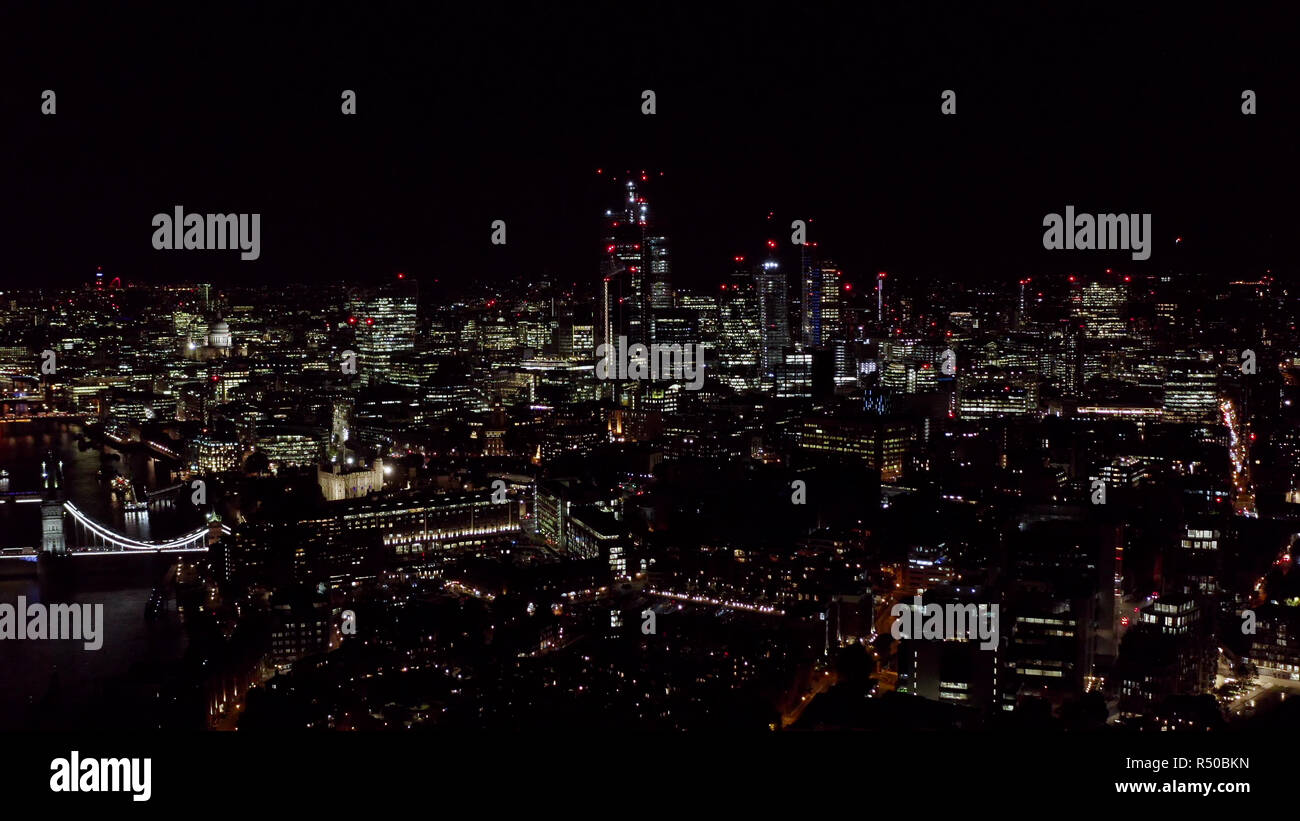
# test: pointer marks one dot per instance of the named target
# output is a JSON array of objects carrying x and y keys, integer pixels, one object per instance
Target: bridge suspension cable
[{"x": 192, "y": 540}]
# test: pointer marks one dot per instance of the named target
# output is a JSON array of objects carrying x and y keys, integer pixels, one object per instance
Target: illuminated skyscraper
[
  {"x": 1100, "y": 307},
  {"x": 739, "y": 328},
  {"x": 636, "y": 271},
  {"x": 810, "y": 298},
  {"x": 773, "y": 315},
  {"x": 819, "y": 300},
  {"x": 384, "y": 323},
  {"x": 794, "y": 374},
  {"x": 1191, "y": 391}
]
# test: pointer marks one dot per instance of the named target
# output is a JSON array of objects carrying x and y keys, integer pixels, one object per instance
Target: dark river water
[{"x": 47, "y": 684}]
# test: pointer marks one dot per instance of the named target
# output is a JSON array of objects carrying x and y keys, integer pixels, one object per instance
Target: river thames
[{"x": 59, "y": 684}]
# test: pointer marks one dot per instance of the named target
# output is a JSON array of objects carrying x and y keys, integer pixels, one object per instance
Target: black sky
[{"x": 504, "y": 111}]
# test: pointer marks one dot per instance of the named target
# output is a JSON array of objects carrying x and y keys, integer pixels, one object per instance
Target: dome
[{"x": 219, "y": 334}]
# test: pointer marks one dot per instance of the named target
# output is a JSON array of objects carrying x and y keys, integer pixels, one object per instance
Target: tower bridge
[
  {"x": 66, "y": 529},
  {"x": 87, "y": 535}
]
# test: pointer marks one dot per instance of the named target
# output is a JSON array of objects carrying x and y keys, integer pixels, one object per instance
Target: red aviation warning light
[
  {"x": 352, "y": 320},
  {"x": 771, "y": 243},
  {"x": 370, "y": 320}
]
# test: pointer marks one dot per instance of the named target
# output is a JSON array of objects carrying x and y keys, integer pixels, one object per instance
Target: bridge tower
[{"x": 52, "y": 536}]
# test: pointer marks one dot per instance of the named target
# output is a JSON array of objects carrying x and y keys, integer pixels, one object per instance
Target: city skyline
[{"x": 913, "y": 378}]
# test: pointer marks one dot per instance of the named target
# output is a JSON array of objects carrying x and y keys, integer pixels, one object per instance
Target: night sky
[{"x": 494, "y": 112}]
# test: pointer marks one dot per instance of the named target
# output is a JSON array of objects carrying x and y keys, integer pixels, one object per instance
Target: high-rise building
[
  {"x": 773, "y": 317},
  {"x": 959, "y": 668},
  {"x": 810, "y": 298},
  {"x": 1047, "y": 651},
  {"x": 1169, "y": 652},
  {"x": 740, "y": 329},
  {"x": 636, "y": 272},
  {"x": 1195, "y": 568},
  {"x": 575, "y": 338},
  {"x": 1191, "y": 391},
  {"x": 384, "y": 322},
  {"x": 705, "y": 309},
  {"x": 1100, "y": 307},
  {"x": 677, "y": 326},
  {"x": 819, "y": 300},
  {"x": 832, "y": 321},
  {"x": 659, "y": 282},
  {"x": 794, "y": 374}
]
